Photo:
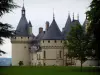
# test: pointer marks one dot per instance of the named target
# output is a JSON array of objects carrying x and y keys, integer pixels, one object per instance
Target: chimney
[
  {"x": 40, "y": 30},
  {"x": 47, "y": 25}
]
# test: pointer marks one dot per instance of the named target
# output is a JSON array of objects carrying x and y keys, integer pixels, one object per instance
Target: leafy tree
[
  {"x": 21, "y": 63},
  {"x": 78, "y": 44},
  {"x": 5, "y": 29},
  {"x": 94, "y": 27},
  {"x": 2, "y": 52}
]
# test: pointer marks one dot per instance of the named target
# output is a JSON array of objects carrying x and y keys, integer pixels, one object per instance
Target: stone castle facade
[{"x": 45, "y": 49}]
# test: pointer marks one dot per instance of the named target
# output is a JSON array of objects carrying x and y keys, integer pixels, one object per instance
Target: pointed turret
[
  {"x": 68, "y": 21},
  {"x": 86, "y": 22},
  {"x": 23, "y": 26},
  {"x": 67, "y": 26},
  {"x": 53, "y": 32},
  {"x": 73, "y": 16},
  {"x": 78, "y": 17}
]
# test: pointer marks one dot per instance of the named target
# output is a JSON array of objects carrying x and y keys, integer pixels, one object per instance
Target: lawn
[{"x": 53, "y": 70}]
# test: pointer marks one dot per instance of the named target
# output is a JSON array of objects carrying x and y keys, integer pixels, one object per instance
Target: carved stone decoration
[{"x": 35, "y": 48}]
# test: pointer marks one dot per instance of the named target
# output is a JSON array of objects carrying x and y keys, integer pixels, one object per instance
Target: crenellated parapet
[
  {"x": 21, "y": 39},
  {"x": 52, "y": 43}
]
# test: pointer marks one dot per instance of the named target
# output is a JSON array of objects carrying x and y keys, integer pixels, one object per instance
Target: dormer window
[
  {"x": 43, "y": 41},
  {"x": 55, "y": 41},
  {"x": 48, "y": 41}
]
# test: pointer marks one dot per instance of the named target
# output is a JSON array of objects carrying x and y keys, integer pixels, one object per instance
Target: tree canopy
[
  {"x": 78, "y": 44},
  {"x": 94, "y": 28},
  {"x": 5, "y": 29},
  {"x": 94, "y": 17}
]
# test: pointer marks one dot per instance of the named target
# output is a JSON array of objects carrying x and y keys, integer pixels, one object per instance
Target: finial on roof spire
[
  {"x": 23, "y": 3},
  {"x": 68, "y": 13},
  {"x": 73, "y": 16},
  {"x": 23, "y": 9},
  {"x": 77, "y": 16},
  {"x": 53, "y": 14}
]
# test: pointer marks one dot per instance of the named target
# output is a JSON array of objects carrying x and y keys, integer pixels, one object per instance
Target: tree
[
  {"x": 2, "y": 52},
  {"x": 21, "y": 63},
  {"x": 78, "y": 44},
  {"x": 94, "y": 28},
  {"x": 5, "y": 29}
]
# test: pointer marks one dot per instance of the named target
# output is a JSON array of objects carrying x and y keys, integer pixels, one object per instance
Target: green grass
[{"x": 53, "y": 70}]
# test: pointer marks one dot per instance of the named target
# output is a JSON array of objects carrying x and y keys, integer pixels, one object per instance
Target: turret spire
[
  {"x": 73, "y": 16},
  {"x": 53, "y": 14},
  {"x": 23, "y": 9},
  {"x": 78, "y": 17},
  {"x": 23, "y": 3},
  {"x": 68, "y": 13}
]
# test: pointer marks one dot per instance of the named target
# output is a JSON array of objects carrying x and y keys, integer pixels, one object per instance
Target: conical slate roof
[
  {"x": 22, "y": 28},
  {"x": 40, "y": 36},
  {"x": 85, "y": 24},
  {"x": 53, "y": 32},
  {"x": 75, "y": 22},
  {"x": 67, "y": 27}
]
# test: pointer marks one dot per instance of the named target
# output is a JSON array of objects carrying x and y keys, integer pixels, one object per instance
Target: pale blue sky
[{"x": 40, "y": 11}]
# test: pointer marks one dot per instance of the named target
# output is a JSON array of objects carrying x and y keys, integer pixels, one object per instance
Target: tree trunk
[
  {"x": 81, "y": 65},
  {"x": 71, "y": 61},
  {"x": 98, "y": 63},
  {"x": 97, "y": 52},
  {"x": 66, "y": 60}
]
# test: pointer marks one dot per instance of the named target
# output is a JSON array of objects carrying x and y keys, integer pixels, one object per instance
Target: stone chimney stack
[
  {"x": 40, "y": 30},
  {"x": 47, "y": 25}
]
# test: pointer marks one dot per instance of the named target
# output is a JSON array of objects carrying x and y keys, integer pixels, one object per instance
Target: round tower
[
  {"x": 21, "y": 42},
  {"x": 21, "y": 50}
]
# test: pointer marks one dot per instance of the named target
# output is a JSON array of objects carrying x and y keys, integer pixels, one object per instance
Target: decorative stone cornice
[
  {"x": 21, "y": 42},
  {"x": 52, "y": 47},
  {"x": 49, "y": 59}
]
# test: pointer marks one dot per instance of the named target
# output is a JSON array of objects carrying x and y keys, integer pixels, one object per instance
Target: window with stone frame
[
  {"x": 48, "y": 41},
  {"x": 60, "y": 54},
  {"x": 43, "y": 41},
  {"x": 39, "y": 57},
  {"x": 55, "y": 41},
  {"x": 44, "y": 54}
]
